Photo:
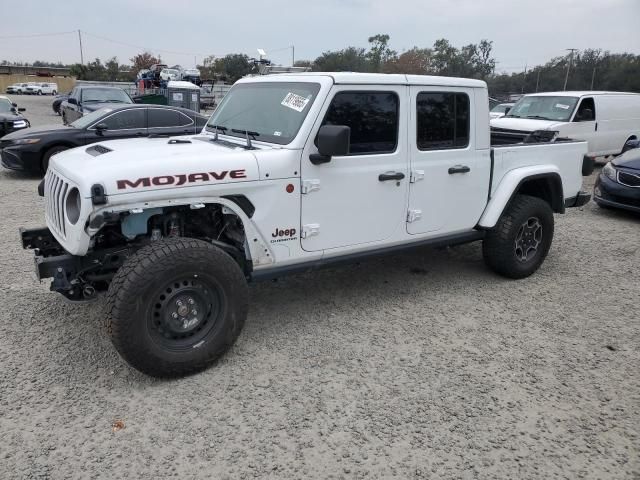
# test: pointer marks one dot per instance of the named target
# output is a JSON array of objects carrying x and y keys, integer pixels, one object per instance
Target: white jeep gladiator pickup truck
[{"x": 292, "y": 172}]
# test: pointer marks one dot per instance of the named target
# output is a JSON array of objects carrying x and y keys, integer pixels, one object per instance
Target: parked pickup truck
[{"x": 291, "y": 173}]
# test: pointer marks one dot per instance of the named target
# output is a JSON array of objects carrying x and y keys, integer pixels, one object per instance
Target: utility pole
[
  {"x": 566, "y": 78},
  {"x": 593, "y": 77},
  {"x": 293, "y": 55},
  {"x": 537, "y": 80},
  {"x": 81, "y": 54},
  {"x": 524, "y": 78}
]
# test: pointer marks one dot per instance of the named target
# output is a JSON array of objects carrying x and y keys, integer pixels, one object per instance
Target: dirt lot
[{"x": 423, "y": 365}]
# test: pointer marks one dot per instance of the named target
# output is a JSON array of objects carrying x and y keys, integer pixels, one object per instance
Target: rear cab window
[{"x": 442, "y": 120}]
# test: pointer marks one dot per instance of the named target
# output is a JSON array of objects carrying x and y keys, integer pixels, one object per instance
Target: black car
[
  {"x": 10, "y": 118},
  {"x": 84, "y": 99},
  {"x": 30, "y": 150},
  {"x": 57, "y": 102},
  {"x": 618, "y": 185}
]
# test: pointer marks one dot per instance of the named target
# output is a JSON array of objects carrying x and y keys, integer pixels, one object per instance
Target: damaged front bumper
[{"x": 77, "y": 278}]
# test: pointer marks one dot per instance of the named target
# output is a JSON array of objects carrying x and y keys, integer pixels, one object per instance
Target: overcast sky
[{"x": 524, "y": 31}]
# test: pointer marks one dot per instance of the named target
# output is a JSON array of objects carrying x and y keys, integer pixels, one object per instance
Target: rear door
[
  {"x": 361, "y": 197},
  {"x": 449, "y": 175},
  {"x": 167, "y": 121}
]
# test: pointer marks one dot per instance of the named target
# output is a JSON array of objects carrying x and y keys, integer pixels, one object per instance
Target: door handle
[
  {"x": 383, "y": 177},
  {"x": 459, "y": 169}
]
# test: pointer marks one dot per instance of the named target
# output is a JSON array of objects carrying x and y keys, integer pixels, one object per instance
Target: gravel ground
[{"x": 423, "y": 365}]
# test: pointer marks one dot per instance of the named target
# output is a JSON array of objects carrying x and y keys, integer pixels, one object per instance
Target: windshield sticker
[
  {"x": 295, "y": 102},
  {"x": 563, "y": 106},
  {"x": 277, "y": 134}
]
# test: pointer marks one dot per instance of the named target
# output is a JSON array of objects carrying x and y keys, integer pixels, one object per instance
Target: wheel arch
[
  {"x": 257, "y": 250},
  {"x": 544, "y": 184}
]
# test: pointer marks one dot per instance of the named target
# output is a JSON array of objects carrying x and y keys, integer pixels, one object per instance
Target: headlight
[
  {"x": 20, "y": 123},
  {"x": 72, "y": 205},
  {"x": 25, "y": 141},
  {"x": 610, "y": 172}
]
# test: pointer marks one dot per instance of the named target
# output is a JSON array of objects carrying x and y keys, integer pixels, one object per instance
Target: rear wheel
[
  {"x": 50, "y": 153},
  {"x": 176, "y": 306},
  {"x": 520, "y": 241}
]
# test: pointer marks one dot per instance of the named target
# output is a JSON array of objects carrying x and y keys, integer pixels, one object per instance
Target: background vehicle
[
  {"x": 10, "y": 118},
  {"x": 175, "y": 227},
  {"x": 42, "y": 89},
  {"x": 192, "y": 75},
  {"x": 618, "y": 185},
  {"x": 57, "y": 102},
  {"x": 17, "y": 88},
  {"x": 606, "y": 120},
  {"x": 168, "y": 74},
  {"x": 31, "y": 150},
  {"x": 500, "y": 110},
  {"x": 83, "y": 100}
]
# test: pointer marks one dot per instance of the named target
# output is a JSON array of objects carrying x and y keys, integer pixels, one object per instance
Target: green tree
[
  {"x": 351, "y": 59},
  {"x": 379, "y": 52}
]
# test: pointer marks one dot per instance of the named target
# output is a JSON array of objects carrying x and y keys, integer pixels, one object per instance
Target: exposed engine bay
[{"x": 123, "y": 233}]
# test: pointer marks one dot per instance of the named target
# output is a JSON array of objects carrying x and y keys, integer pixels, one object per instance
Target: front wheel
[
  {"x": 176, "y": 306},
  {"x": 520, "y": 241}
]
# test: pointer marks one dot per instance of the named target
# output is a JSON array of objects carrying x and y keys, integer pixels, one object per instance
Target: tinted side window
[
  {"x": 159, "y": 118},
  {"x": 372, "y": 116},
  {"x": 133, "y": 118},
  {"x": 184, "y": 120},
  {"x": 443, "y": 120}
]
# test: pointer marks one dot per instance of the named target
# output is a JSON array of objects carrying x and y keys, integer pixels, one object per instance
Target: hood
[
  {"x": 629, "y": 159},
  {"x": 524, "y": 124},
  {"x": 10, "y": 116},
  {"x": 34, "y": 132},
  {"x": 92, "y": 107},
  {"x": 147, "y": 164}
]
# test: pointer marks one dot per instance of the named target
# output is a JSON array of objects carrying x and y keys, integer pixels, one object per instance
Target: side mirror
[
  {"x": 14, "y": 104},
  {"x": 72, "y": 101},
  {"x": 507, "y": 110},
  {"x": 333, "y": 140},
  {"x": 22, "y": 109},
  {"x": 101, "y": 127}
]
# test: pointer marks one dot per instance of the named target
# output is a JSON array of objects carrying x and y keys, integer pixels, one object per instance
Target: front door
[
  {"x": 450, "y": 174},
  {"x": 361, "y": 197},
  {"x": 583, "y": 126}
]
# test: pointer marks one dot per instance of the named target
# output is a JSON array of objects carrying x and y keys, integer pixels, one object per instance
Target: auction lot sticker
[{"x": 296, "y": 102}]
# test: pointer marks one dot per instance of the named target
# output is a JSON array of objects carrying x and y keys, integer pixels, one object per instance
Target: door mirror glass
[
  {"x": 72, "y": 101},
  {"x": 101, "y": 127},
  {"x": 506, "y": 110}
]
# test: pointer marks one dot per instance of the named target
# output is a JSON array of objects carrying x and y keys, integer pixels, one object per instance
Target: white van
[{"x": 606, "y": 120}]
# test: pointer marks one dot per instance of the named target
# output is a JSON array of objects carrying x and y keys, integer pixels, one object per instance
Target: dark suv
[{"x": 85, "y": 99}]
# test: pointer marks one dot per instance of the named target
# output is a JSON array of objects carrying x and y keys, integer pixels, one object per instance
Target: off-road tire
[
  {"x": 500, "y": 247},
  {"x": 46, "y": 158},
  {"x": 133, "y": 303}
]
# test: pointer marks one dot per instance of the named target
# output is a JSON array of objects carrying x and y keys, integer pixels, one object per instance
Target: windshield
[
  {"x": 544, "y": 108},
  {"x": 5, "y": 105},
  {"x": 270, "y": 112},
  {"x": 105, "y": 95},
  {"x": 89, "y": 118},
  {"x": 500, "y": 108}
]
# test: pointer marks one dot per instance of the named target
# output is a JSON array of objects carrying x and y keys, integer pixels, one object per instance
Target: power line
[
  {"x": 141, "y": 47},
  {"x": 32, "y": 35}
]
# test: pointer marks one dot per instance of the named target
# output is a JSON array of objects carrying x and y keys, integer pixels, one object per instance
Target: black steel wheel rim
[
  {"x": 528, "y": 239},
  {"x": 184, "y": 311}
]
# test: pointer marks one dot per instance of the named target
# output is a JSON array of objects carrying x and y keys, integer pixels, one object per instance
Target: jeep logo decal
[
  {"x": 283, "y": 235},
  {"x": 180, "y": 179}
]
